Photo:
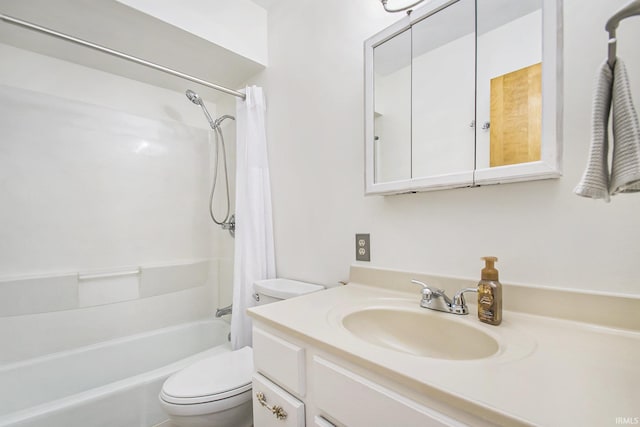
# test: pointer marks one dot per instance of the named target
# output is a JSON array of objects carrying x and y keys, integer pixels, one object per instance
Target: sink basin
[{"x": 420, "y": 333}]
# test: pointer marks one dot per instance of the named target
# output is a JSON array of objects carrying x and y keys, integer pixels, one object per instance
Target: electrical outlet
[{"x": 363, "y": 247}]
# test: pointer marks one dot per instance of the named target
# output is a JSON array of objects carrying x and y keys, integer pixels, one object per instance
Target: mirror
[
  {"x": 443, "y": 91},
  {"x": 463, "y": 93},
  {"x": 392, "y": 114}
]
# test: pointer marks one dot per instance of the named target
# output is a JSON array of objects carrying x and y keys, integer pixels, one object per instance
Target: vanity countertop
[{"x": 550, "y": 372}]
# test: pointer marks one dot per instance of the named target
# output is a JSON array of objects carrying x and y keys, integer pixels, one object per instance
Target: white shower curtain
[{"x": 254, "y": 254}]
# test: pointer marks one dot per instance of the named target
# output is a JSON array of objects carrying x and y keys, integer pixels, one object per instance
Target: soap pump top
[{"x": 489, "y": 271}]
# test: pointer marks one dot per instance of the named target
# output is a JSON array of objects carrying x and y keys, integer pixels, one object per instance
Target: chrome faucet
[
  {"x": 436, "y": 299},
  {"x": 224, "y": 311}
]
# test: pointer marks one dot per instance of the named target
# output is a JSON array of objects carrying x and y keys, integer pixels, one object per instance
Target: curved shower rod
[
  {"x": 118, "y": 54},
  {"x": 400, "y": 9}
]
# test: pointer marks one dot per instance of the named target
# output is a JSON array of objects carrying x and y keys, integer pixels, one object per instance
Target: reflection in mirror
[
  {"x": 392, "y": 105},
  {"x": 509, "y": 91},
  {"x": 443, "y": 91}
]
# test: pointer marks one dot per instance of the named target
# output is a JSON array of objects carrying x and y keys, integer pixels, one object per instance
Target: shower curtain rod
[{"x": 38, "y": 28}]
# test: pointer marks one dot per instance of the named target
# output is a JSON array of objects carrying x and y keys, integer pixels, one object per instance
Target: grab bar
[{"x": 108, "y": 274}]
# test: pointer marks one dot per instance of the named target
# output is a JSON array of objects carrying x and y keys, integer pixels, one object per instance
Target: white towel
[
  {"x": 595, "y": 180},
  {"x": 612, "y": 88},
  {"x": 625, "y": 170}
]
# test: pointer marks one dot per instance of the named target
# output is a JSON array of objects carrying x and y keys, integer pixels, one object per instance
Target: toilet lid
[{"x": 214, "y": 378}]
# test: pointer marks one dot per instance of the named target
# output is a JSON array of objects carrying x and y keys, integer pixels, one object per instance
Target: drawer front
[
  {"x": 280, "y": 361},
  {"x": 355, "y": 401},
  {"x": 273, "y": 406}
]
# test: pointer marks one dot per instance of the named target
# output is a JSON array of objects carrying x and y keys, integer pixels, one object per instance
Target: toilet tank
[{"x": 272, "y": 290}]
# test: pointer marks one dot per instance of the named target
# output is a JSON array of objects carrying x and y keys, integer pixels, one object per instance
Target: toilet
[{"x": 216, "y": 391}]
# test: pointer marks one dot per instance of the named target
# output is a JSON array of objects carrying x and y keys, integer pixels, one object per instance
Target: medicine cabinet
[{"x": 464, "y": 93}]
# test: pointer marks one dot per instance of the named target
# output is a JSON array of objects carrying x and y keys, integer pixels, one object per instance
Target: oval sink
[{"x": 420, "y": 333}]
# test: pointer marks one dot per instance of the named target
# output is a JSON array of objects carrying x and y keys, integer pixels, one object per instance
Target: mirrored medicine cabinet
[{"x": 464, "y": 93}]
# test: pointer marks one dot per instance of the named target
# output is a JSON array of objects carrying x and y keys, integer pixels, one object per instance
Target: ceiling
[
  {"x": 266, "y": 4},
  {"x": 119, "y": 27}
]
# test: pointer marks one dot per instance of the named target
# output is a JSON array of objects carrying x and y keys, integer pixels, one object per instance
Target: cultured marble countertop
[{"x": 548, "y": 372}]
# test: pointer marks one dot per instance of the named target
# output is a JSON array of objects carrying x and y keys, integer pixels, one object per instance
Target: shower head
[{"x": 195, "y": 98}]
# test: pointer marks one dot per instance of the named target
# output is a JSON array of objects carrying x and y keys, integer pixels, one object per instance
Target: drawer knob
[{"x": 275, "y": 410}]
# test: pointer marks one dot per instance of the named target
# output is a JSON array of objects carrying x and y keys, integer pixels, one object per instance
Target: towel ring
[{"x": 630, "y": 9}]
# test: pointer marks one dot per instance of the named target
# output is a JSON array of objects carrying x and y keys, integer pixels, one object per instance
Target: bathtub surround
[
  {"x": 87, "y": 383},
  {"x": 49, "y": 293},
  {"x": 254, "y": 252},
  {"x": 67, "y": 188}
]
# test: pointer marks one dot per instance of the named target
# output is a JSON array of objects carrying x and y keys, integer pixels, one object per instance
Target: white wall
[
  {"x": 237, "y": 25},
  {"x": 542, "y": 233}
]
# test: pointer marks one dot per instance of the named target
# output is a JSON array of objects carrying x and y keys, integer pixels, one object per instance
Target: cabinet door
[
  {"x": 355, "y": 401},
  {"x": 280, "y": 361},
  {"x": 274, "y": 406}
]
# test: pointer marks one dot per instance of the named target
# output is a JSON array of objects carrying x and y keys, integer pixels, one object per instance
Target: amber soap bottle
[{"x": 490, "y": 294}]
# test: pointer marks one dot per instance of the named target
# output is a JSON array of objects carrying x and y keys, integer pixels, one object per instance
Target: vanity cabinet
[
  {"x": 279, "y": 381},
  {"x": 334, "y": 391}
]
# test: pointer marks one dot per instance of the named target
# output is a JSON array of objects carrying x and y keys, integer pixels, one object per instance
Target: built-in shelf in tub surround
[
  {"x": 576, "y": 369},
  {"x": 68, "y": 291}
]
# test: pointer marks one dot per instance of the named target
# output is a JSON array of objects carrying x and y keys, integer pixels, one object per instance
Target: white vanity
[{"x": 551, "y": 366}]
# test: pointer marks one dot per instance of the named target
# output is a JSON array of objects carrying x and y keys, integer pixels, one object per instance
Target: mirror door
[{"x": 443, "y": 92}]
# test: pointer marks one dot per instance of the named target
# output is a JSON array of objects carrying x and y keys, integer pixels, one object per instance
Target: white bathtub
[{"x": 111, "y": 384}]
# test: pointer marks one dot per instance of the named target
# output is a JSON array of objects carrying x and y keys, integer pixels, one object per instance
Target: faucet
[
  {"x": 223, "y": 311},
  {"x": 436, "y": 299}
]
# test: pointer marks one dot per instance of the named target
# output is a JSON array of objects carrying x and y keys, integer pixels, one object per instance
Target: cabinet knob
[{"x": 276, "y": 410}]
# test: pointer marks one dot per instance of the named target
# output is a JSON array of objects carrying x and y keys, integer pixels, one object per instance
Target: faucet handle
[
  {"x": 426, "y": 287},
  {"x": 427, "y": 292},
  {"x": 459, "y": 305}
]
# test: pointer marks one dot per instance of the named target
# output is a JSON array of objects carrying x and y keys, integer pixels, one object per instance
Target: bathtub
[{"x": 114, "y": 383}]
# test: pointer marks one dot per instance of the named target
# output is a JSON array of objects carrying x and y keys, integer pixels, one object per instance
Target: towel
[
  {"x": 625, "y": 170},
  {"x": 612, "y": 87}
]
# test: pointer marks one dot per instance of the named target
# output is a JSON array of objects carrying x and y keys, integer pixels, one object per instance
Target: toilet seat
[{"x": 214, "y": 379}]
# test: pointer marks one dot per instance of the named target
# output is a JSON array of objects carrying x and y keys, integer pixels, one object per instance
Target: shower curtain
[{"x": 254, "y": 253}]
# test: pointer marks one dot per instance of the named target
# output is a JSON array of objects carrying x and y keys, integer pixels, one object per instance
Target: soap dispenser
[{"x": 490, "y": 294}]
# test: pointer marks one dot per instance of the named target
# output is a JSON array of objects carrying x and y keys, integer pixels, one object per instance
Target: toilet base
[{"x": 238, "y": 416}]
